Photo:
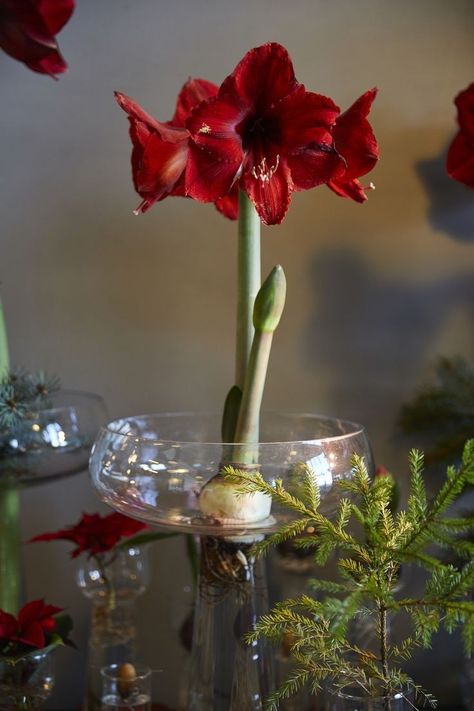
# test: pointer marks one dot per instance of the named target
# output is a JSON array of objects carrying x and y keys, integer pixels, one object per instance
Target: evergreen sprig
[
  {"x": 22, "y": 393},
  {"x": 372, "y": 543},
  {"x": 443, "y": 409}
]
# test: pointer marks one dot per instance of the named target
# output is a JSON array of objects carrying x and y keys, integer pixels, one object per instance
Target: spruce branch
[{"x": 368, "y": 566}]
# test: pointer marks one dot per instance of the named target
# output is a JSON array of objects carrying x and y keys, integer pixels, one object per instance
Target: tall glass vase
[
  {"x": 156, "y": 468},
  {"x": 113, "y": 582}
]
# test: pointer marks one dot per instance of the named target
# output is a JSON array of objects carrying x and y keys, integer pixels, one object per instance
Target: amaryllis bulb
[{"x": 219, "y": 500}]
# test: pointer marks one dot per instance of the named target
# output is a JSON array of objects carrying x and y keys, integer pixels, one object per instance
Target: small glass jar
[
  {"x": 352, "y": 699},
  {"x": 113, "y": 582},
  {"x": 27, "y": 683},
  {"x": 126, "y": 687}
]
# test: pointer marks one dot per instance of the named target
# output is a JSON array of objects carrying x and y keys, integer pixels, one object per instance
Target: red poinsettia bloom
[
  {"x": 160, "y": 150},
  {"x": 28, "y": 29},
  {"x": 264, "y": 132},
  {"x": 460, "y": 160},
  {"x": 95, "y": 534},
  {"x": 355, "y": 142},
  {"x": 34, "y": 623}
]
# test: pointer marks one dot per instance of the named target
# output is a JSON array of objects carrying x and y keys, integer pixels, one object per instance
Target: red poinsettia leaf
[
  {"x": 460, "y": 160},
  {"x": 8, "y": 625},
  {"x": 32, "y": 634},
  {"x": 191, "y": 95}
]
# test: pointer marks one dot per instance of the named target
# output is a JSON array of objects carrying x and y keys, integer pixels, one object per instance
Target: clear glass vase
[
  {"x": 156, "y": 468},
  {"x": 27, "y": 683},
  {"x": 112, "y": 582},
  {"x": 352, "y": 699}
]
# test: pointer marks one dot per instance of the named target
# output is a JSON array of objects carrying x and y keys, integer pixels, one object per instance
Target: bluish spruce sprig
[
  {"x": 23, "y": 393},
  {"x": 371, "y": 542}
]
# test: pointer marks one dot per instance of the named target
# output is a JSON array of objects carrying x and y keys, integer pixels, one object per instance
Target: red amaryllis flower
[
  {"x": 460, "y": 160},
  {"x": 355, "y": 142},
  {"x": 160, "y": 150},
  {"x": 34, "y": 623},
  {"x": 28, "y": 29},
  {"x": 264, "y": 132},
  {"x": 95, "y": 534}
]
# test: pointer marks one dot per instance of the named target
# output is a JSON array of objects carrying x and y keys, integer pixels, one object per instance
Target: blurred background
[{"x": 141, "y": 309}]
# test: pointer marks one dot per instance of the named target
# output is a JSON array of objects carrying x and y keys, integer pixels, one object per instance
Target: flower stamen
[
  {"x": 263, "y": 172},
  {"x": 205, "y": 128}
]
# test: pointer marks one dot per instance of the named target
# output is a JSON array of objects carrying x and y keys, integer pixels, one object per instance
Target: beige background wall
[{"x": 141, "y": 309}]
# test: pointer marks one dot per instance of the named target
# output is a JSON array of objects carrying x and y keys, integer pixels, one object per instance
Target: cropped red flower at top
[
  {"x": 264, "y": 132},
  {"x": 34, "y": 623},
  {"x": 160, "y": 150},
  {"x": 95, "y": 534},
  {"x": 28, "y": 29},
  {"x": 460, "y": 160},
  {"x": 354, "y": 140}
]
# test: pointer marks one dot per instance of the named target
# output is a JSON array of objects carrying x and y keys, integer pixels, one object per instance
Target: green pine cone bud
[{"x": 270, "y": 301}]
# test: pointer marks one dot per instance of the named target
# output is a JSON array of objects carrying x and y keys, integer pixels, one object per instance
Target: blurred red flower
[
  {"x": 95, "y": 534},
  {"x": 460, "y": 159},
  {"x": 354, "y": 140},
  {"x": 160, "y": 150},
  {"x": 34, "y": 623},
  {"x": 28, "y": 29},
  {"x": 264, "y": 132}
]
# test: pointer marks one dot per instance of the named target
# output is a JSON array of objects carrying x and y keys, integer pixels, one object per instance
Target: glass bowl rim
[
  {"x": 395, "y": 696},
  {"x": 356, "y": 429}
]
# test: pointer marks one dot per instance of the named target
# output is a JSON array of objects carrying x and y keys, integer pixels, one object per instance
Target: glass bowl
[
  {"x": 53, "y": 442},
  {"x": 153, "y": 467}
]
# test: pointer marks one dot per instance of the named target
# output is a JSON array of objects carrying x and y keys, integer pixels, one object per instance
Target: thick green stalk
[
  {"x": 248, "y": 283},
  {"x": 9, "y": 515},
  {"x": 9, "y": 549}
]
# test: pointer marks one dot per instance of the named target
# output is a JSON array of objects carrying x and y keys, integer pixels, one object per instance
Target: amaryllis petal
[
  {"x": 229, "y": 204},
  {"x": 465, "y": 105},
  {"x": 160, "y": 166},
  {"x": 270, "y": 192},
  {"x": 460, "y": 160},
  {"x": 210, "y": 174},
  {"x": 55, "y": 13},
  {"x": 27, "y": 29},
  {"x": 305, "y": 118},
  {"x": 264, "y": 76},
  {"x": 171, "y": 134},
  {"x": 354, "y": 138},
  {"x": 193, "y": 93},
  {"x": 314, "y": 165},
  {"x": 352, "y": 189}
]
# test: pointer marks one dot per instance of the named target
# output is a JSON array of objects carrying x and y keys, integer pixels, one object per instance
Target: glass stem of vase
[
  {"x": 248, "y": 282},
  {"x": 9, "y": 549},
  {"x": 227, "y": 674}
]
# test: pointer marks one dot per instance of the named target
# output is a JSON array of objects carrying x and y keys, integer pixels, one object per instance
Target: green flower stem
[
  {"x": 9, "y": 549},
  {"x": 249, "y": 277},
  {"x": 9, "y": 515}
]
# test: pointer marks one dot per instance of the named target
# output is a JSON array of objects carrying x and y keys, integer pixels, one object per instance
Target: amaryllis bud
[{"x": 270, "y": 301}]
